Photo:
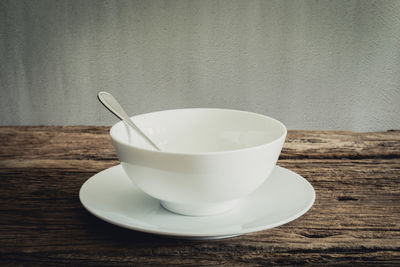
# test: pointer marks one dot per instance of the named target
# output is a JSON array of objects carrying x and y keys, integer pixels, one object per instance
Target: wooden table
[{"x": 355, "y": 218}]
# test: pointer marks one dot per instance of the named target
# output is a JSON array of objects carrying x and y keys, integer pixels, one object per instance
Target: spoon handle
[{"x": 112, "y": 105}]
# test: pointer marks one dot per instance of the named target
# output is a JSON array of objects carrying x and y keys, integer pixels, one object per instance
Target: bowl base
[{"x": 199, "y": 209}]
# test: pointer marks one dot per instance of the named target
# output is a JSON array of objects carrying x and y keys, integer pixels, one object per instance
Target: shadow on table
[{"x": 107, "y": 231}]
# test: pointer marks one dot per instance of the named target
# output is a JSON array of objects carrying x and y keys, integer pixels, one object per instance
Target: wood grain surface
[{"x": 355, "y": 219}]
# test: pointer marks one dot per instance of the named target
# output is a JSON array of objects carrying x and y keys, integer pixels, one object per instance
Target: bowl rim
[{"x": 118, "y": 140}]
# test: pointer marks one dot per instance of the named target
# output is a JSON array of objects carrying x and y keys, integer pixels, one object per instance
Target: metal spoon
[{"x": 112, "y": 105}]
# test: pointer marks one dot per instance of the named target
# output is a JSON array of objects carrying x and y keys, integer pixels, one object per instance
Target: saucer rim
[{"x": 208, "y": 235}]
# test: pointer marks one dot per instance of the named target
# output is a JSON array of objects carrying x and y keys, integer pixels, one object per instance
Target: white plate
[{"x": 111, "y": 196}]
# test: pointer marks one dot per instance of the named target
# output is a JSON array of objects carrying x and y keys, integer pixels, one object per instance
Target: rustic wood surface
[{"x": 355, "y": 219}]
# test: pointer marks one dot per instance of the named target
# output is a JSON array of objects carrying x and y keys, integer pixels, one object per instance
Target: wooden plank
[
  {"x": 89, "y": 142},
  {"x": 342, "y": 145},
  {"x": 355, "y": 219}
]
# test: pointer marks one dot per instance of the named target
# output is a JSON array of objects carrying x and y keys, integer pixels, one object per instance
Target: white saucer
[{"x": 111, "y": 196}]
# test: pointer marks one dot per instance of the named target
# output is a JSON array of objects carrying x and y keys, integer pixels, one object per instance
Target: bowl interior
[{"x": 201, "y": 130}]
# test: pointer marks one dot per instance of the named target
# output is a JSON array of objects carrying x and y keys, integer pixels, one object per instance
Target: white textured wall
[{"x": 310, "y": 64}]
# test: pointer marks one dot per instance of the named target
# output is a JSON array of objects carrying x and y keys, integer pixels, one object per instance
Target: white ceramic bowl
[{"x": 211, "y": 158}]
